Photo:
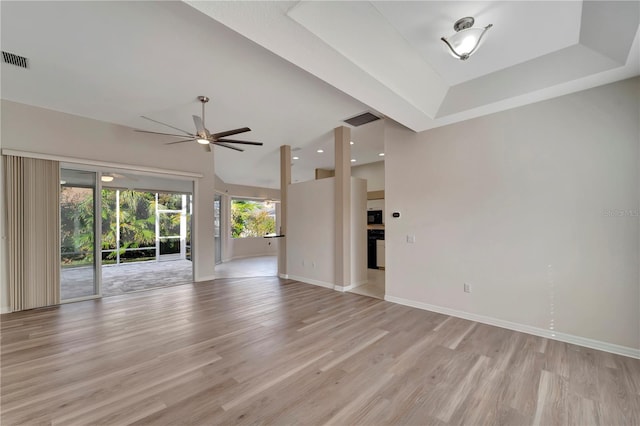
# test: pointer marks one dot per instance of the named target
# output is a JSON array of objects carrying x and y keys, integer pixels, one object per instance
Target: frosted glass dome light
[{"x": 466, "y": 40}]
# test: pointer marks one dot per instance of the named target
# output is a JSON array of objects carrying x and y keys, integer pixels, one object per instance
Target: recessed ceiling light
[
  {"x": 353, "y": 160},
  {"x": 320, "y": 151},
  {"x": 296, "y": 158},
  {"x": 381, "y": 154},
  {"x": 351, "y": 142}
]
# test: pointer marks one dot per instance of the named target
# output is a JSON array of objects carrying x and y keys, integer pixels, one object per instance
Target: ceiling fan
[{"x": 202, "y": 135}]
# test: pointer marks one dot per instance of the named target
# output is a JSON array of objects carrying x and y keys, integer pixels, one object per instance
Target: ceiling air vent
[
  {"x": 13, "y": 59},
  {"x": 361, "y": 119}
]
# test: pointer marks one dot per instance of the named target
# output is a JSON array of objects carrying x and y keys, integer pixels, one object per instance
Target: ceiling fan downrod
[{"x": 204, "y": 100}]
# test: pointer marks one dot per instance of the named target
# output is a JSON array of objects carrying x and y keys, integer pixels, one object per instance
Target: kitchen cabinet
[{"x": 380, "y": 253}]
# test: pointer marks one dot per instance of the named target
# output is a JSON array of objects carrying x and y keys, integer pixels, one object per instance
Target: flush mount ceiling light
[
  {"x": 106, "y": 178},
  {"x": 466, "y": 40}
]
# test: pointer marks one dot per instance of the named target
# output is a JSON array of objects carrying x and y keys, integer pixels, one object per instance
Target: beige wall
[
  {"x": 358, "y": 231},
  {"x": 32, "y": 129},
  {"x": 519, "y": 205},
  {"x": 373, "y": 173},
  {"x": 310, "y": 233}
]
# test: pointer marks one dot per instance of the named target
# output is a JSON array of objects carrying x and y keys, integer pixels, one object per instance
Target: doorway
[
  {"x": 78, "y": 260},
  {"x": 122, "y": 232},
  {"x": 145, "y": 239},
  {"x": 172, "y": 222}
]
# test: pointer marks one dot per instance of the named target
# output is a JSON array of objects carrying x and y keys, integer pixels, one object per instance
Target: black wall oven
[
  {"x": 374, "y": 217},
  {"x": 373, "y": 235}
]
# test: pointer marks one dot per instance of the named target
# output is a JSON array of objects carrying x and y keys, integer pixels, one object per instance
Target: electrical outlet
[
  {"x": 411, "y": 239},
  {"x": 467, "y": 288}
]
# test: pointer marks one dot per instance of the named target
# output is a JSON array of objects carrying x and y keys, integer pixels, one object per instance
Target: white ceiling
[
  {"x": 525, "y": 30},
  {"x": 292, "y": 71}
]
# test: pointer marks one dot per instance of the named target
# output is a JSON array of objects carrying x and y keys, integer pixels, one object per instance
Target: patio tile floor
[
  {"x": 125, "y": 278},
  {"x": 128, "y": 277}
]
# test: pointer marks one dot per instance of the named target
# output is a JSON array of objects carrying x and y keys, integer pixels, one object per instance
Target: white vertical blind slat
[{"x": 33, "y": 210}]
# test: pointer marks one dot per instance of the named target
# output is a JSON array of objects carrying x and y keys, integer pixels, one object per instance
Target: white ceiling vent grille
[
  {"x": 13, "y": 59},
  {"x": 361, "y": 119}
]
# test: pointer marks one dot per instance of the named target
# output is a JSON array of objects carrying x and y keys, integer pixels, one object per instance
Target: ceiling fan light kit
[
  {"x": 202, "y": 135},
  {"x": 466, "y": 39}
]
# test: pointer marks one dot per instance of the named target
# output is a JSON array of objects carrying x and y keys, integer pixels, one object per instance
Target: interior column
[
  {"x": 285, "y": 181},
  {"x": 342, "y": 137}
]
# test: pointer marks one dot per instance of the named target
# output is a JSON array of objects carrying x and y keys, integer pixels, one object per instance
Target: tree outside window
[{"x": 250, "y": 218}]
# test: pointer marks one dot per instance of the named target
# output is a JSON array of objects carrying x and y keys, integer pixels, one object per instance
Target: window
[
  {"x": 143, "y": 225},
  {"x": 250, "y": 218}
]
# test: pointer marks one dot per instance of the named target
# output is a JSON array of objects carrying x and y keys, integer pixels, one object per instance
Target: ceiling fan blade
[
  {"x": 241, "y": 142},
  {"x": 158, "y": 133},
  {"x": 230, "y": 132},
  {"x": 168, "y": 125},
  {"x": 186, "y": 140},
  {"x": 199, "y": 125},
  {"x": 228, "y": 146},
  {"x": 207, "y": 147}
]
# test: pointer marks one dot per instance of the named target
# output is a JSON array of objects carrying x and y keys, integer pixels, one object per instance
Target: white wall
[
  {"x": 251, "y": 247},
  {"x": 256, "y": 192},
  {"x": 32, "y": 129},
  {"x": 358, "y": 231},
  {"x": 518, "y": 204},
  {"x": 311, "y": 231}
]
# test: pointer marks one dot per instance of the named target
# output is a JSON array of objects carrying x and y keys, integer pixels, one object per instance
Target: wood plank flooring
[{"x": 271, "y": 351}]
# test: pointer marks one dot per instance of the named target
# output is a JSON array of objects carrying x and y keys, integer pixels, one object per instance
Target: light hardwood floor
[
  {"x": 271, "y": 351},
  {"x": 374, "y": 286}
]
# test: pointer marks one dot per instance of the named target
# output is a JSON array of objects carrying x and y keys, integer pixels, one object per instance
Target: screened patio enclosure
[{"x": 143, "y": 236}]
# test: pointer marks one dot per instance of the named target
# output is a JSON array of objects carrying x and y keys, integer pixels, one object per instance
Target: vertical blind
[{"x": 32, "y": 188}]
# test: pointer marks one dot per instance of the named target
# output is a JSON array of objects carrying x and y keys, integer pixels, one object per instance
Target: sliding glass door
[{"x": 78, "y": 278}]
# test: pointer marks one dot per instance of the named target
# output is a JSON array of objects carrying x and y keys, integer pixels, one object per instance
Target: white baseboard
[
  {"x": 312, "y": 281},
  {"x": 342, "y": 288},
  {"x": 536, "y": 331},
  {"x": 247, "y": 256},
  {"x": 5, "y": 309},
  {"x": 349, "y": 287},
  {"x": 284, "y": 276},
  {"x": 205, "y": 278}
]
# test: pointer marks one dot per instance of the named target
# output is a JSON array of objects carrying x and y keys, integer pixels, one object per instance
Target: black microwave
[{"x": 374, "y": 217}]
